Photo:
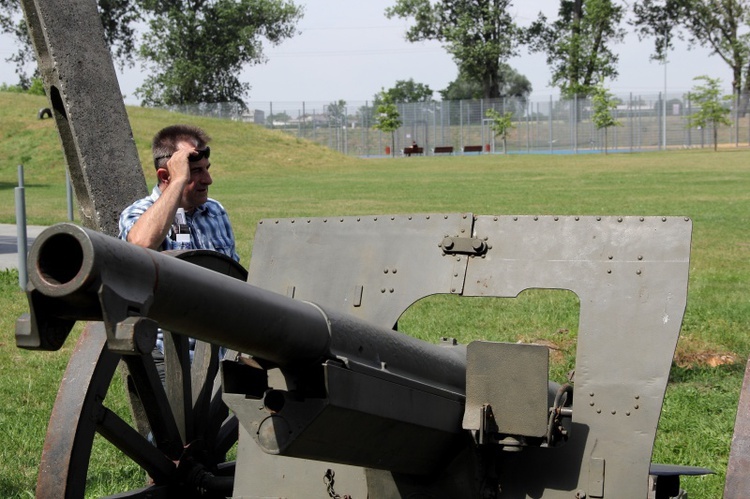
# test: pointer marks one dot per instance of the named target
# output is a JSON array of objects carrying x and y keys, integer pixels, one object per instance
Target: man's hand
[{"x": 178, "y": 166}]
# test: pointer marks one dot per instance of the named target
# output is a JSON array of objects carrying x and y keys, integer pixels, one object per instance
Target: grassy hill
[
  {"x": 239, "y": 150},
  {"x": 261, "y": 174}
]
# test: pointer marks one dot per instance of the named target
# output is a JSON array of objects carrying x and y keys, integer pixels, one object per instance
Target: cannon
[
  {"x": 321, "y": 387},
  {"x": 300, "y": 383}
]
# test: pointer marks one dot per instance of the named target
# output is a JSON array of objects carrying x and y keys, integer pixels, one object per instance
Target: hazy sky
[{"x": 349, "y": 50}]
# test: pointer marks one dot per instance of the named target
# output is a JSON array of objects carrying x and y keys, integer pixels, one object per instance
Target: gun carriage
[
  {"x": 319, "y": 390},
  {"x": 331, "y": 380}
]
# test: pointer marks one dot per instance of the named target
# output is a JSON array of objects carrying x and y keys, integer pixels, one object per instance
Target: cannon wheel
[{"x": 182, "y": 429}]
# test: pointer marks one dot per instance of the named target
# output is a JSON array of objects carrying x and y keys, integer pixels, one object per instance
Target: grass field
[{"x": 260, "y": 174}]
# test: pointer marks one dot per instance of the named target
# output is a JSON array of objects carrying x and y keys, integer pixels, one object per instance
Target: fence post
[
  {"x": 461, "y": 122},
  {"x": 630, "y": 119},
  {"x": 737, "y": 119},
  {"x": 664, "y": 107},
  {"x": 689, "y": 111},
  {"x": 661, "y": 123},
  {"x": 21, "y": 241},
  {"x": 551, "y": 134}
]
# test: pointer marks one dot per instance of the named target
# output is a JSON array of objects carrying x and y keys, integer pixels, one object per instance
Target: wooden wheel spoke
[
  {"x": 216, "y": 412},
  {"x": 133, "y": 445},
  {"x": 177, "y": 367},
  {"x": 155, "y": 404},
  {"x": 204, "y": 377}
]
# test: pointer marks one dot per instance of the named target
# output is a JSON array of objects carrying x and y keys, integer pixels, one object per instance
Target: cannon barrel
[{"x": 80, "y": 274}]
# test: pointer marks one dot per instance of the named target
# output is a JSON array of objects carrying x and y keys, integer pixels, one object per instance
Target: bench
[
  {"x": 443, "y": 150},
  {"x": 477, "y": 149},
  {"x": 408, "y": 151}
]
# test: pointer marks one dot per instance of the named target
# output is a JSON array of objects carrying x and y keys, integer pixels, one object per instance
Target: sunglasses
[{"x": 199, "y": 155}]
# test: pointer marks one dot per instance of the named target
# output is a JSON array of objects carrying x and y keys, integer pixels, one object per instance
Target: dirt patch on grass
[
  {"x": 693, "y": 353},
  {"x": 561, "y": 344},
  {"x": 705, "y": 359}
]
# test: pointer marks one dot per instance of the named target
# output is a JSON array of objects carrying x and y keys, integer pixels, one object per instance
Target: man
[
  {"x": 181, "y": 158},
  {"x": 179, "y": 214}
]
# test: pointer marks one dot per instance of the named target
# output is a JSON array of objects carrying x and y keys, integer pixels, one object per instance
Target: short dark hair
[{"x": 166, "y": 140}]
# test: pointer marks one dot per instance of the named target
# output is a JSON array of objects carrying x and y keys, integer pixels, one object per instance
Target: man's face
[{"x": 196, "y": 191}]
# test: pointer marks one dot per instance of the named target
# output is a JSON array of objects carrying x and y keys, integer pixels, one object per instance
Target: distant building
[
  {"x": 257, "y": 116},
  {"x": 311, "y": 119}
]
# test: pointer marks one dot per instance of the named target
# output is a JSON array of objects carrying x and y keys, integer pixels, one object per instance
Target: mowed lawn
[{"x": 265, "y": 174}]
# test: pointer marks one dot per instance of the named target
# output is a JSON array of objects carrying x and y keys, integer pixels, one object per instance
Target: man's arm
[{"x": 152, "y": 227}]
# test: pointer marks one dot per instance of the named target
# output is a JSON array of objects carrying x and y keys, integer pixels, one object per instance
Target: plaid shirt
[{"x": 209, "y": 226}]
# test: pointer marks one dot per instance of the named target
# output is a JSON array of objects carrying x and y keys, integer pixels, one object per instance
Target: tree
[
  {"x": 657, "y": 19},
  {"x": 501, "y": 125},
  {"x": 195, "y": 49},
  {"x": 511, "y": 84},
  {"x": 409, "y": 91},
  {"x": 365, "y": 115},
  {"x": 603, "y": 104},
  {"x": 337, "y": 113},
  {"x": 118, "y": 19},
  {"x": 719, "y": 26},
  {"x": 711, "y": 112},
  {"x": 479, "y": 34},
  {"x": 387, "y": 118},
  {"x": 402, "y": 92},
  {"x": 12, "y": 23},
  {"x": 578, "y": 43},
  {"x": 36, "y": 88}
]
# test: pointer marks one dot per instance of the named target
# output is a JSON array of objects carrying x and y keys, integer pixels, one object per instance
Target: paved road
[{"x": 9, "y": 243}]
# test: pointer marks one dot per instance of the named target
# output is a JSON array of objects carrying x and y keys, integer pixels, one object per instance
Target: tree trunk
[
  {"x": 574, "y": 72},
  {"x": 491, "y": 88},
  {"x": 605, "y": 140},
  {"x": 716, "y": 138},
  {"x": 744, "y": 96}
]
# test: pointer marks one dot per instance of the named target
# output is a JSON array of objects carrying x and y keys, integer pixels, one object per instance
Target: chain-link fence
[{"x": 457, "y": 127}]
